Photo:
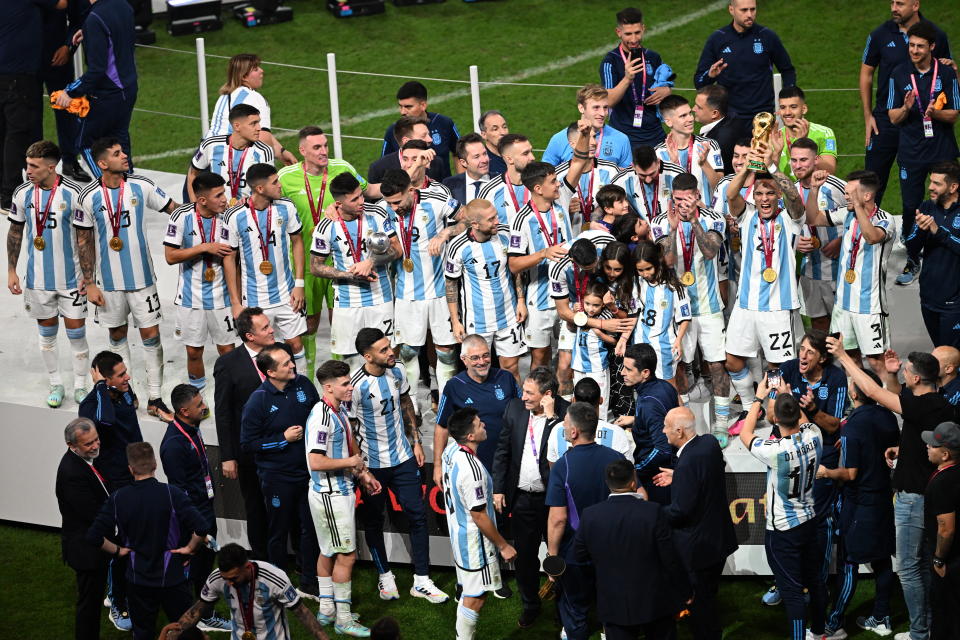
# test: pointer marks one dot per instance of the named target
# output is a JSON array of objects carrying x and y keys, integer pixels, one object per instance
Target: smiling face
[
  {"x": 811, "y": 361},
  {"x": 595, "y": 111},
  {"x": 612, "y": 269},
  {"x": 740, "y": 155},
  {"x": 339, "y": 389},
  {"x": 476, "y": 358},
  {"x": 803, "y": 162},
  {"x": 314, "y": 150},
  {"x": 631, "y": 35},
  {"x": 920, "y": 50},
  {"x": 477, "y": 162},
  {"x": 87, "y": 445},
  {"x": 531, "y": 395},
  {"x": 680, "y": 119},
  {"x": 792, "y": 110}
]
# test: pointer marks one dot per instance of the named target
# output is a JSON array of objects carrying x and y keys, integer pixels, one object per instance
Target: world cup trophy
[
  {"x": 763, "y": 124},
  {"x": 378, "y": 243}
]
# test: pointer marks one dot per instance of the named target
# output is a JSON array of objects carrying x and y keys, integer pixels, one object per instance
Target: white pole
[
  {"x": 334, "y": 104},
  {"x": 475, "y": 96},
  {"x": 777, "y": 86},
  {"x": 202, "y": 82},
  {"x": 78, "y": 61}
]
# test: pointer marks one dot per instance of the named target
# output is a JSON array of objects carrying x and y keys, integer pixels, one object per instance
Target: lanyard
[
  {"x": 315, "y": 207},
  {"x": 264, "y": 249},
  {"x": 933, "y": 86},
  {"x": 533, "y": 442},
  {"x": 580, "y": 285},
  {"x": 586, "y": 201},
  {"x": 113, "y": 213},
  {"x": 207, "y": 260},
  {"x": 513, "y": 196},
  {"x": 41, "y": 217},
  {"x": 687, "y": 246},
  {"x": 652, "y": 205},
  {"x": 253, "y": 359},
  {"x": 939, "y": 471},
  {"x": 552, "y": 238},
  {"x": 343, "y": 423},
  {"x": 766, "y": 238},
  {"x": 633, "y": 87},
  {"x": 201, "y": 453},
  {"x": 346, "y": 234},
  {"x": 246, "y": 607},
  {"x": 406, "y": 235},
  {"x": 856, "y": 237},
  {"x": 234, "y": 176}
]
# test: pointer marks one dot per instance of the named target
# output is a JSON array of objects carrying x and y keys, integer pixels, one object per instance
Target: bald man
[
  {"x": 699, "y": 514},
  {"x": 949, "y": 359}
]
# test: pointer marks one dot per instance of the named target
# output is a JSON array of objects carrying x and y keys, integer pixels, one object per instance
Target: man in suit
[
  {"x": 710, "y": 110},
  {"x": 81, "y": 490},
  {"x": 699, "y": 514},
  {"x": 641, "y": 584},
  {"x": 520, "y": 475},
  {"x": 237, "y": 376},
  {"x": 473, "y": 158}
]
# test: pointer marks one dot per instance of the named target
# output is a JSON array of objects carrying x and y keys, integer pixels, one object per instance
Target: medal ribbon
[
  {"x": 406, "y": 235},
  {"x": 552, "y": 237},
  {"x": 346, "y": 233},
  {"x": 264, "y": 248},
  {"x": 687, "y": 246},
  {"x": 207, "y": 259},
  {"x": 41, "y": 217},
  {"x": 113, "y": 213},
  {"x": 513, "y": 196},
  {"x": 344, "y": 423},
  {"x": 246, "y": 607},
  {"x": 933, "y": 86},
  {"x": 586, "y": 201},
  {"x": 316, "y": 208},
  {"x": 580, "y": 285},
  {"x": 651, "y": 205},
  {"x": 766, "y": 237},
  {"x": 856, "y": 237},
  {"x": 234, "y": 177},
  {"x": 690, "y": 154}
]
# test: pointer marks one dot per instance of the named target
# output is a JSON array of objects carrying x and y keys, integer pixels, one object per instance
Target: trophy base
[{"x": 757, "y": 167}]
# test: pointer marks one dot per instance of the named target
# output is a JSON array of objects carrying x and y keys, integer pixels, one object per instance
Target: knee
[
  {"x": 446, "y": 356},
  {"x": 194, "y": 353},
  {"x": 152, "y": 341},
  {"x": 409, "y": 353}
]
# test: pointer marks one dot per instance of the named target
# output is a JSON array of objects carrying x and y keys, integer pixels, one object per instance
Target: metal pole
[
  {"x": 334, "y": 104},
  {"x": 202, "y": 82},
  {"x": 78, "y": 61},
  {"x": 475, "y": 96}
]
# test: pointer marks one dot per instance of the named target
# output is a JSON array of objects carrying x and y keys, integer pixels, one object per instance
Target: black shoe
[
  {"x": 75, "y": 172},
  {"x": 527, "y": 618},
  {"x": 158, "y": 409},
  {"x": 503, "y": 592}
]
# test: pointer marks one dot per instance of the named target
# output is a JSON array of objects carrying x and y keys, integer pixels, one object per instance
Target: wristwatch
[{"x": 938, "y": 562}]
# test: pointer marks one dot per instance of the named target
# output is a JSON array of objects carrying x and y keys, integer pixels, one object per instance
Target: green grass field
[{"x": 38, "y": 597}]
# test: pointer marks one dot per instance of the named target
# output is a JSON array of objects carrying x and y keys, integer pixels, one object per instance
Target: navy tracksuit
[
  {"x": 654, "y": 399},
  {"x": 940, "y": 274}
]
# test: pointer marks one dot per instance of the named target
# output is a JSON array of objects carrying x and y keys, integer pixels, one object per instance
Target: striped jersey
[
  {"x": 330, "y": 240},
  {"x": 563, "y": 274},
  {"x": 220, "y": 120},
  {"x": 648, "y": 200},
  {"x": 467, "y": 485},
  {"x": 184, "y": 231},
  {"x": 245, "y": 231},
  {"x": 431, "y": 213},
  {"x": 609, "y": 435},
  {"x": 815, "y": 265},
  {"x": 754, "y": 292},
  {"x": 661, "y": 310},
  {"x": 58, "y": 265},
  {"x": 689, "y": 161},
  {"x": 590, "y": 353},
  {"x": 704, "y": 293},
  {"x": 379, "y": 421},
  {"x": 294, "y": 188},
  {"x": 272, "y": 592},
  {"x": 131, "y": 268},
  {"x": 328, "y": 433},
  {"x": 867, "y": 293},
  {"x": 601, "y": 173},
  {"x": 791, "y": 469},
  {"x": 720, "y": 202},
  {"x": 496, "y": 191},
  {"x": 217, "y": 156},
  {"x": 487, "y": 293},
  {"x": 529, "y": 236}
]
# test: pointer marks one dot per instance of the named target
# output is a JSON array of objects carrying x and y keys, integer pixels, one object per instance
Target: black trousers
[
  {"x": 109, "y": 116},
  {"x": 254, "y": 508},
  {"x": 943, "y": 327},
  {"x": 146, "y": 602},
  {"x": 945, "y": 602},
  {"x": 286, "y": 500},
  {"x": 529, "y": 527},
  {"x": 882, "y": 152},
  {"x": 20, "y": 101},
  {"x": 68, "y": 125},
  {"x": 660, "y": 629},
  {"x": 91, "y": 584},
  {"x": 703, "y": 613},
  {"x": 796, "y": 560}
]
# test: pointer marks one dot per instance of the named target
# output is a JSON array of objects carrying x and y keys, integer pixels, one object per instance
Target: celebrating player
[{"x": 506, "y": 191}]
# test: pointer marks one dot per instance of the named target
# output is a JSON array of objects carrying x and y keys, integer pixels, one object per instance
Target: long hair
[
  {"x": 238, "y": 67},
  {"x": 653, "y": 253},
  {"x": 624, "y": 284}
]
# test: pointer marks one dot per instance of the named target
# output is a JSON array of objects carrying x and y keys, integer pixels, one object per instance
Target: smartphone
[
  {"x": 636, "y": 53},
  {"x": 773, "y": 378},
  {"x": 835, "y": 336}
]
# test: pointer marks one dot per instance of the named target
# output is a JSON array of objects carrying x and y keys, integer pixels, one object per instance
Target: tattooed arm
[
  {"x": 708, "y": 241},
  {"x": 201, "y": 609},
  {"x": 307, "y": 619},
  {"x": 453, "y": 305},
  {"x": 795, "y": 206},
  {"x": 321, "y": 270},
  {"x": 14, "y": 241},
  {"x": 88, "y": 263}
]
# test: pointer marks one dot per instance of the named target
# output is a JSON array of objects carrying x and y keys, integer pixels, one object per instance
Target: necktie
[{"x": 476, "y": 188}]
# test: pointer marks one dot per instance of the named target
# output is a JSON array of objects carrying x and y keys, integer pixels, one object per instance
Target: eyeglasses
[{"x": 478, "y": 358}]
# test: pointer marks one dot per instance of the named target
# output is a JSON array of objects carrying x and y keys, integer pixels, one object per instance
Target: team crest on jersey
[
  {"x": 133, "y": 201},
  {"x": 608, "y": 149},
  {"x": 177, "y": 332},
  {"x": 63, "y": 206},
  {"x": 663, "y": 304},
  {"x": 956, "y": 222},
  {"x": 823, "y": 392},
  {"x": 301, "y": 396},
  {"x": 757, "y": 47},
  {"x": 436, "y": 138},
  {"x": 718, "y": 226},
  {"x": 275, "y": 502},
  {"x": 497, "y": 391},
  {"x": 776, "y": 227},
  {"x": 261, "y": 600}
]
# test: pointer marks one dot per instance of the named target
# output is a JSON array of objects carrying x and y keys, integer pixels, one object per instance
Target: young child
[
  {"x": 663, "y": 312},
  {"x": 612, "y": 202},
  {"x": 618, "y": 273},
  {"x": 590, "y": 350},
  {"x": 630, "y": 229}
]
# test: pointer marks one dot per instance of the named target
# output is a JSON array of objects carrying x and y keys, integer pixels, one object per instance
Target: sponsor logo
[
  {"x": 726, "y": 50},
  {"x": 892, "y": 44},
  {"x": 273, "y": 408}
]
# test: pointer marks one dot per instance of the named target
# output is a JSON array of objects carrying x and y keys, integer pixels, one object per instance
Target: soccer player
[
  {"x": 691, "y": 236},
  {"x": 386, "y": 430},
  {"x": 793, "y": 108},
  {"x": 43, "y": 207},
  {"x": 861, "y": 310},
  {"x": 493, "y": 126},
  {"x": 819, "y": 267},
  {"x": 412, "y": 102},
  {"x": 611, "y": 144},
  {"x": 637, "y": 80},
  {"x": 587, "y": 174},
  {"x": 479, "y": 282},
  {"x": 791, "y": 526},
  {"x": 614, "y": 437},
  {"x": 471, "y": 519},
  {"x": 363, "y": 292},
  {"x": 696, "y": 154},
  {"x": 306, "y": 184},
  {"x": 259, "y": 595},
  {"x": 415, "y": 158},
  {"x": 923, "y": 101},
  {"x": 265, "y": 231},
  {"x": 194, "y": 240},
  {"x": 647, "y": 182},
  {"x": 506, "y": 191},
  {"x": 231, "y": 155},
  {"x": 335, "y": 465},
  {"x": 474, "y": 163},
  {"x": 115, "y": 259}
]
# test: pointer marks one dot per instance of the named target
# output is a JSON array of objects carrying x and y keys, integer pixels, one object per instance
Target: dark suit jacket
[
  {"x": 699, "y": 511},
  {"x": 513, "y": 438},
  {"x": 79, "y": 496},
  {"x": 726, "y": 133},
  {"x": 236, "y": 378},
  {"x": 639, "y": 577},
  {"x": 392, "y": 161},
  {"x": 458, "y": 186}
]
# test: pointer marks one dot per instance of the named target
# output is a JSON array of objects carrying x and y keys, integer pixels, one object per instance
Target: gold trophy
[{"x": 763, "y": 124}]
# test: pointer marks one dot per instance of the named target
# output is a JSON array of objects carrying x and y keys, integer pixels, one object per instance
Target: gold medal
[
  {"x": 769, "y": 275},
  {"x": 735, "y": 243},
  {"x": 248, "y": 635},
  {"x": 233, "y": 202},
  {"x": 116, "y": 243},
  {"x": 687, "y": 278},
  {"x": 580, "y": 319},
  {"x": 209, "y": 274},
  {"x": 815, "y": 241},
  {"x": 585, "y": 226},
  {"x": 39, "y": 243},
  {"x": 266, "y": 268},
  {"x": 408, "y": 265},
  {"x": 850, "y": 276}
]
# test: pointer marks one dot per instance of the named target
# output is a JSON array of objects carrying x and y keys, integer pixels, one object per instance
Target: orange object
[
  {"x": 940, "y": 101},
  {"x": 78, "y": 106}
]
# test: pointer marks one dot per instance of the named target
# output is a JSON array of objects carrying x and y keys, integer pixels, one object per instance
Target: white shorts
[
  {"x": 817, "y": 297},
  {"x": 43, "y": 305},
  {"x": 194, "y": 326},
  {"x": 509, "y": 342},
  {"x": 603, "y": 379},
  {"x": 476, "y": 583},
  {"x": 414, "y": 317},
  {"x": 867, "y": 332},
  {"x": 539, "y": 328},
  {"x": 566, "y": 338},
  {"x": 749, "y": 331},
  {"x": 286, "y": 322},
  {"x": 709, "y": 331},
  {"x": 333, "y": 520},
  {"x": 347, "y": 322},
  {"x": 143, "y": 304}
]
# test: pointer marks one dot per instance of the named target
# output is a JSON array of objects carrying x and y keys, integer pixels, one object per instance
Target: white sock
[
  {"x": 81, "y": 356},
  {"x": 721, "y": 413},
  {"x": 300, "y": 361},
  {"x": 122, "y": 349},
  {"x": 419, "y": 581},
  {"x": 444, "y": 373},
  {"x": 50, "y": 352},
  {"x": 685, "y": 399},
  {"x": 466, "y": 622},
  {"x": 153, "y": 356},
  {"x": 412, "y": 369},
  {"x": 742, "y": 381},
  {"x": 341, "y": 597},
  {"x": 325, "y": 590}
]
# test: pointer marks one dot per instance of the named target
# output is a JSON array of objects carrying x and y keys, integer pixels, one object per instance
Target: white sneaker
[
  {"x": 903, "y": 635},
  {"x": 839, "y": 634},
  {"x": 812, "y": 636},
  {"x": 388, "y": 586},
  {"x": 429, "y": 591}
]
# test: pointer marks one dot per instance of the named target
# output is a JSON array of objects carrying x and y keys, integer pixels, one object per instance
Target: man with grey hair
[
  {"x": 81, "y": 490},
  {"x": 493, "y": 126},
  {"x": 698, "y": 513}
]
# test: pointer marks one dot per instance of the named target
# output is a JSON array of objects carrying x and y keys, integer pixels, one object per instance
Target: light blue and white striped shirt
[
  {"x": 488, "y": 298},
  {"x": 867, "y": 293},
  {"x": 220, "y": 121},
  {"x": 193, "y": 290},
  {"x": 376, "y": 408},
  {"x": 754, "y": 292},
  {"x": 214, "y": 155},
  {"x": 791, "y": 469},
  {"x": 57, "y": 267},
  {"x": 467, "y": 486},
  {"x": 815, "y": 265},
  {"x": 327, "y": 434}
]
